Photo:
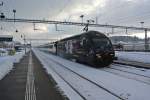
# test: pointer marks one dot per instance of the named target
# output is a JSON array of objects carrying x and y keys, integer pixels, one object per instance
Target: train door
[{"x": 69, "y": 46}]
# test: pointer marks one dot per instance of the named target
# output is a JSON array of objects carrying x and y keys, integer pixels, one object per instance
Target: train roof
[{"x": 90, "y": 33}]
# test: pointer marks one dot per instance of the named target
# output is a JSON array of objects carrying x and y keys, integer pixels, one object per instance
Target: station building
[{"x": 6, "y": 41}]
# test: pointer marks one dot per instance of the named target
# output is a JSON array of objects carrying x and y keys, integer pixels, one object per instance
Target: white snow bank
[
  {"x": 134, "y": 56},
  {"x": 6, "y": 63},
  {"x": 3, "y": 52}
]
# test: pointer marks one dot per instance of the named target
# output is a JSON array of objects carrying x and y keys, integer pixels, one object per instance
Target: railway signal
[{"x": 2, "y": 16}]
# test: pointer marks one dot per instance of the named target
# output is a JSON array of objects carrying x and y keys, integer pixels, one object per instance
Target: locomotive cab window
[{"x": 101, "y": 43}]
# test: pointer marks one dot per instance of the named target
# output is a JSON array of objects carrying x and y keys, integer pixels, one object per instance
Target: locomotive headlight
[
  {"x": 98, "y": 56},
  {"x": 112, "y": 54}
]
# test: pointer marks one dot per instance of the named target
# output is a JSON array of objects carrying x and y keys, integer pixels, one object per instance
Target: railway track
[
  {"x": 110, "y": 82},
  {"x": 84, "y": 78},
  {"x": 133, "y": 64},
  {"x": 129, "y": 66},
  {"x": 127, "y": 75},
  {"x": 131, "y": 70}
]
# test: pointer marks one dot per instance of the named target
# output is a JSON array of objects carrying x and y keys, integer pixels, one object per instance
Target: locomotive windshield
[{"x": 102, "y": 43}]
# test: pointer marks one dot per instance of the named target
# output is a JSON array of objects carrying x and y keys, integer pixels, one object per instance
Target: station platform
[{"x": 29, "y": 81}]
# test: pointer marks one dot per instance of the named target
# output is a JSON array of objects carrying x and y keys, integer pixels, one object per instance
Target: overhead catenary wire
[{"x": 73, "y": 23}]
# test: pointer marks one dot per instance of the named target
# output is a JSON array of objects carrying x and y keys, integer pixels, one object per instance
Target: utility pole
[
  {"x": 126, "y": 30},
  {"x": 1, "y": 4},
  {"x": 82, "y": 18},
  {"x": 146, "y": 41},
  {"x": 96, "y": 20},
  {"x": 14, "y": 11},
  {"x": 2, "y": 14},
  {"x": 24, "y": 38},
  {"x": 25, "y": 43},
  {"x": 30, "y": 45},
  {"x": 112, "y": 30},
  {"x": 142, "y": 24}
]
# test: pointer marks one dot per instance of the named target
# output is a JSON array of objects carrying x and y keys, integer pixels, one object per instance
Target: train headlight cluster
[
  {"x": 98, "y": 56},
  {"x": 112, "y": 54}
]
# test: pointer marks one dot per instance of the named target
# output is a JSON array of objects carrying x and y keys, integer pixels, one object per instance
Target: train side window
[{"x": 76, "y": 44}]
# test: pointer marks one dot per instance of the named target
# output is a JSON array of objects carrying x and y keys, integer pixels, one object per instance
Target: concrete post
[{"x": 146, "y": 41}]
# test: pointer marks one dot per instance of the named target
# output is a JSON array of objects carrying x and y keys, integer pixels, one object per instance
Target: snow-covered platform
[
  {"x": 6, "y": 63},
  {"x": 28, "y": 81}
]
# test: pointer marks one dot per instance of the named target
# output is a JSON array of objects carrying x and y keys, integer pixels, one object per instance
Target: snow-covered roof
[{"x": 6, "y": 36}]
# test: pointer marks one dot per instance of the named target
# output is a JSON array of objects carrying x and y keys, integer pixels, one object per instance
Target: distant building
[
  {"x": 17, "y": 45},
  {"x": 6, "y": 38},
  {"x": 6, "y": 41}
]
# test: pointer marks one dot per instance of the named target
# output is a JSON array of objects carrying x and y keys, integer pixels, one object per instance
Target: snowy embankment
[
  {"x": 134, "y": 56},
  {"x": 124, "y": 87},
  {"x": 6, "y": 63}
]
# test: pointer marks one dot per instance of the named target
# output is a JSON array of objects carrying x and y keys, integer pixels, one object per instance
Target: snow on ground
[
  {"x": 6, "y": 63},
  {"x": 88, "y": 90},
  {"x": 3, "y": 52},
  {"x": 128, "y": 74},
  {"x": 140, "y": 71},
  {"x": 61, "y": 84},
  {"x": 134, "y": 56},
  {"x": 126, "y": 88}
]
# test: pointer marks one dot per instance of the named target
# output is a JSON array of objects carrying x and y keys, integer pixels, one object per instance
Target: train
[{"x": 92, "y": 48}]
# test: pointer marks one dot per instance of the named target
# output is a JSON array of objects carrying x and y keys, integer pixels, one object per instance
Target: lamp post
[
  {"x": 82, "y": 18},
  {"x": 142, "y": 24},
  {"x": 2, "y": 16},
  {"x": 96, "y": 20},
  {"x": 146, "y": 39},
  {"x": 14, "y": 11},
  {"x": 1, "y": 4},
  {"x": 24, "y": 38}
]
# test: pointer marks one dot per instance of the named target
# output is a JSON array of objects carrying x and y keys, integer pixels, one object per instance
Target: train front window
[{"x": 102, "y": 43}]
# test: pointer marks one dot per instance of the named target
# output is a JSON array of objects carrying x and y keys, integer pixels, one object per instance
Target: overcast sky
[{"x": 116, "y": 12}]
